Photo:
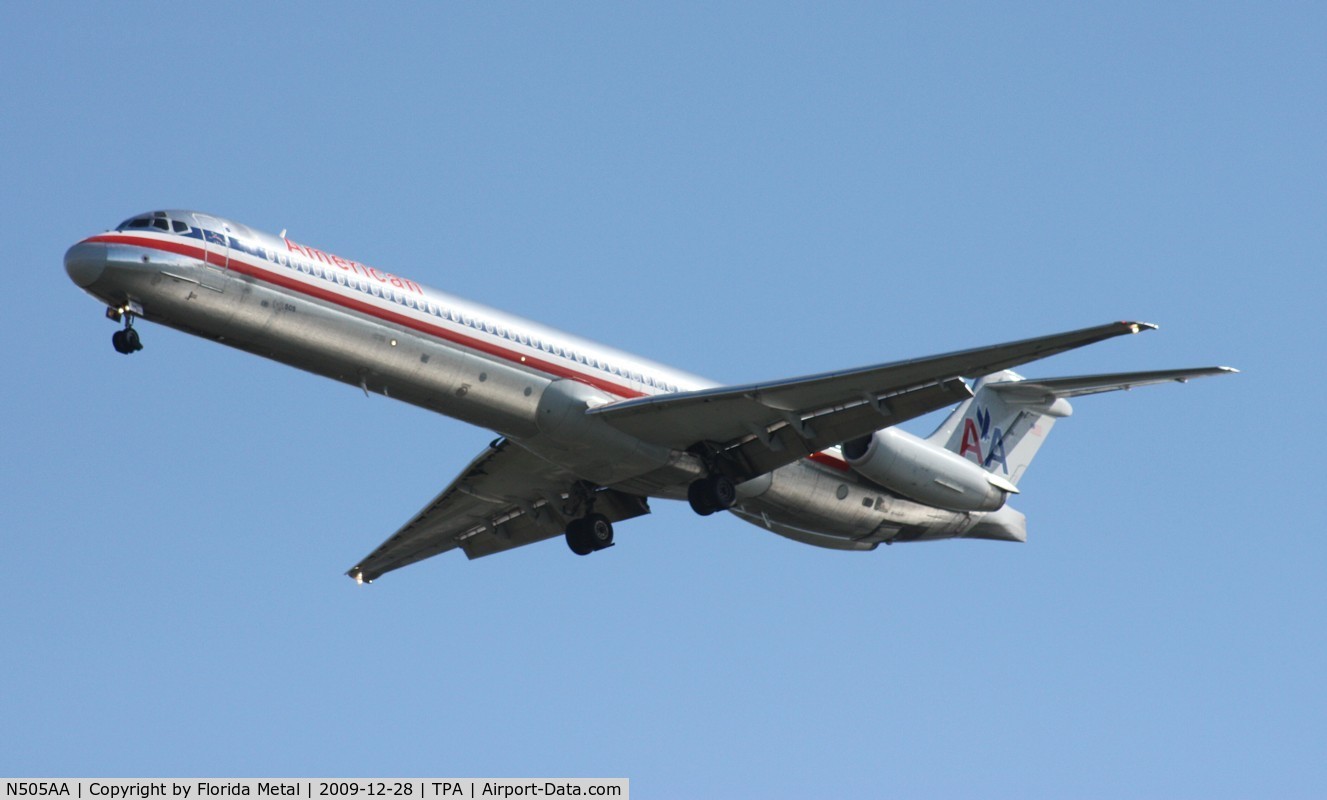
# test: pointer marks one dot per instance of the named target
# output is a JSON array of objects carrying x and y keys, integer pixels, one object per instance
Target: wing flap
[
  {"x": 788, "y": 441},
  {"x": 522, "y": 528}
]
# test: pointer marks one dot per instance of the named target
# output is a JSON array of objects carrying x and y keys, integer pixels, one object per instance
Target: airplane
[{"x": 589, "y": 435}]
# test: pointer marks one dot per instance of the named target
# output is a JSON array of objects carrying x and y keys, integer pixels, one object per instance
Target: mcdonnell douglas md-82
[{"x": 588, "y": 435}]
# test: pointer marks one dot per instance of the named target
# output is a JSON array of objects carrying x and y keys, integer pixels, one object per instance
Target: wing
[
  {"x": 505, "y": 498},
  {"x": 763, "y": 426}
]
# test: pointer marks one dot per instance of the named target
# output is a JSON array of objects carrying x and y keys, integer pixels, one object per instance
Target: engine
[{"x": 924, "y": 472}]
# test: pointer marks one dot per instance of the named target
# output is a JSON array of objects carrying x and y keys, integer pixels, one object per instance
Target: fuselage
[{"x": 388, "y": 334}]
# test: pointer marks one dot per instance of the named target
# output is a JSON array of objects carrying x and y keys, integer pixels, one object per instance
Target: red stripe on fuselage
[
  {"x": 242, "y": 266},
  {"x": 830, "y": 461}
]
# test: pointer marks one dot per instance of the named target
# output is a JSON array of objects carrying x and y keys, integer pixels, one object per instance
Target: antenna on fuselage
[{"x": 283, "y": 233}]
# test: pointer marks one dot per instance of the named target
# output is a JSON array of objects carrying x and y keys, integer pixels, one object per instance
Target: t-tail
[{"x": 1006, "y": 421}]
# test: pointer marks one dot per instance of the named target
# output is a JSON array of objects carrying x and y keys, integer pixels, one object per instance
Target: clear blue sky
[{"x": 750, "y": 192}]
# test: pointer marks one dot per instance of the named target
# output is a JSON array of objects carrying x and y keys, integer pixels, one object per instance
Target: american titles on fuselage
[{"x": 387, "y": 286}]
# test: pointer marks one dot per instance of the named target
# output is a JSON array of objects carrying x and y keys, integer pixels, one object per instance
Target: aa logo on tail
[{"x": 979, "y": 430}]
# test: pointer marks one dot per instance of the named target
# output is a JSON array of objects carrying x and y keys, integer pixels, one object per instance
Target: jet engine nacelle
[{"x": 924, "y": 472}]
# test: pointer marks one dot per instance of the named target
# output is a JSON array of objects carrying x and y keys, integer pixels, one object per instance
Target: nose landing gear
[{"x": 126, "y": 340}]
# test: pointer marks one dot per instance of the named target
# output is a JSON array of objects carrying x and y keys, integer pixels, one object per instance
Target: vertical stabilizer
[
  {"x": 1004, "y": 423},
  {"x": 998, "y": 429}
]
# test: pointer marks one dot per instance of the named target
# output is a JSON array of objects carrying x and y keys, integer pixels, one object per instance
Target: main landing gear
[
  {"x": 708, "y": 495},
  {"x": 126, "y": 340},
  {"x": 589, "y": 533}
]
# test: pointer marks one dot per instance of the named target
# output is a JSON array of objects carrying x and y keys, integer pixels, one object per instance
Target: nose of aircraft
[{"x": 85, "y": 262}]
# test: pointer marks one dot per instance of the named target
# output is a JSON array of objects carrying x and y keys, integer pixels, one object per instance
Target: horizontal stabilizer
[
  {"x": 1008, "y": 418},
  {"x": 1036, "y": 391}
]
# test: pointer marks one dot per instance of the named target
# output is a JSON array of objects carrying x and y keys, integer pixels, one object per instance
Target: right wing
[{"x": 763, "y": 426}]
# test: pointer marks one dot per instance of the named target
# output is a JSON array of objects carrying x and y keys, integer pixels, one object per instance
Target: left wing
[{"x": 506, "y": 498}]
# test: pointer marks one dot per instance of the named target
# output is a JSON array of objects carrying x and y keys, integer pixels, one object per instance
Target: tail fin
[
  {"x": 1005, "y": 422},
  {"x": 1000, "y": 430}
]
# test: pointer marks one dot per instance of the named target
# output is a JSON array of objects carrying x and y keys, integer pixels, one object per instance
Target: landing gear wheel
[
  {"x": 697, "y": 496},
  {"x": 126, "y": 341},
  {"x": 715, "y": 493},
  {"x": 589, "y": 533},
  {"x": 723, "y": 494},
  {"x": 600, "y": 531},
  {"x": 578, "y": 537}
]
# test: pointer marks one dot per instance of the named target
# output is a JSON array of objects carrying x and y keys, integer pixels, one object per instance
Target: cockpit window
[{"x": 157, "y": 219}]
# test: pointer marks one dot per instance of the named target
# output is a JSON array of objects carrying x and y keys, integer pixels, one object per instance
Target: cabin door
[{"x": 216, "y": 247}]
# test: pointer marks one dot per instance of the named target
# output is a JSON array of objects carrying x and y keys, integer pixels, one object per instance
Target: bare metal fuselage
[{"x": 369, "y": 328}]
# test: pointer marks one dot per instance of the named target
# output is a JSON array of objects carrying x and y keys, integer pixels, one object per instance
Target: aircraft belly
[
  {"x": 385, "y": 359},
  {"x": 342, "y": 345}
]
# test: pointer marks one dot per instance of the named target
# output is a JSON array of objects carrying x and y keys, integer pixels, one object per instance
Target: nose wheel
[
  {"x": 589, "y": 533},
  {"x": 126, "y": 340}
]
